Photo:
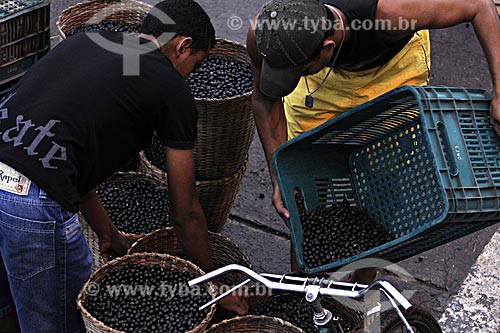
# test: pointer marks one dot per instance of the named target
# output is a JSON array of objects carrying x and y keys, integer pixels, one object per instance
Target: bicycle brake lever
[
  {"x": 396, "y": 294},
  {"x": 398, "y": 311}
]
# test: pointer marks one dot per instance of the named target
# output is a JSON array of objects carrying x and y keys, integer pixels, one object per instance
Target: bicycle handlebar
[{"x": 301, "y": 285}]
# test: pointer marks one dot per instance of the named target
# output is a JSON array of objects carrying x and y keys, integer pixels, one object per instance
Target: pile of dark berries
[
  {"x": 106, "y": 26},
  {"x": 297, "y": 311},
  {"x": 144, "y": 299},
  {"x": 135, "y": 206},
  {"x": 336, "y": 232},
  {"x": 220, "y": 77},
  {"x": 155, "y": 153}
]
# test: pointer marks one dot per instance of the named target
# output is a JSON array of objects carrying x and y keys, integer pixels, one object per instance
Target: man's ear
[
  {"x": 328, "y": 48},
  {"x": 184, "y": 45},
  {"x": 328, "y": 43}
]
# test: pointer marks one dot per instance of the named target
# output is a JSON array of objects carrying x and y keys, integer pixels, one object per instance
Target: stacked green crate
[{"x": 24, "y": 37}]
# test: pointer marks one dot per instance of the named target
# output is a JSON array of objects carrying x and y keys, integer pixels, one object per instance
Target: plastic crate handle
[{"x": 449, "y": 152}]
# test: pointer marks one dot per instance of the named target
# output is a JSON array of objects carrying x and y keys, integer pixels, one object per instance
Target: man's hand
[
  {"x": 114, "y": 246},
  {"x": 111, "y": 242},
  {"x": 279, "y": 205},
  {"x": 495, "y": 113}
]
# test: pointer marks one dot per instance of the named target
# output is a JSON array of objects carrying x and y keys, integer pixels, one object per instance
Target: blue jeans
[{"x": 44, "y": 262}]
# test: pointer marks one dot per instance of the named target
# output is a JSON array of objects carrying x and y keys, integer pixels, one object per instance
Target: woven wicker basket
[
  {"x": 225, "y": 126},
  {"x": 95, "y": 11},
  {"x": 224, "y": 252},
  {"x": 351, "y": 314},
  {"x": 91, "y": 236},
  {"x": 147, "y": 259},
  {"x": 216, "y": 196},
  {"x": 132, "y": 176},
  {"x": 254, "y": 324}
]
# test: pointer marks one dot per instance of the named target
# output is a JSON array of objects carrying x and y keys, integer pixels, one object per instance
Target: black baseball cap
[{"x": 287, "y": 34}]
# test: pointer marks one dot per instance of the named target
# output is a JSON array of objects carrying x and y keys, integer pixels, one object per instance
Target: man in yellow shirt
[{"x": 312, "y": 60}]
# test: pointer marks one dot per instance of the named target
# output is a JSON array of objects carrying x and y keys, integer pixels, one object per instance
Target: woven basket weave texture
[
  {"x": 350, "y": 311},
  {"x": 254, "y": 324},
  {"x": 90, "y": 235},
  {"x": 225, "y": 126}
]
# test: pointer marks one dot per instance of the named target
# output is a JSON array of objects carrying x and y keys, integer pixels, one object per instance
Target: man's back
[{"x": 78, "y": 117}]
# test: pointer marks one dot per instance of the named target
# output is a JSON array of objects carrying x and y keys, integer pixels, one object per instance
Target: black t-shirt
[
  {"x": 366, "y": 49},
  {"x": 75, "y": 118}
]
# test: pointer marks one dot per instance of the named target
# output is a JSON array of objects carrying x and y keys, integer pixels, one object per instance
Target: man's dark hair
[{"x": 190, "y": 21}]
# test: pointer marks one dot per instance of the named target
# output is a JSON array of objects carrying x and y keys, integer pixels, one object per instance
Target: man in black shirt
[
  {"x": 75, "y": 118},
  {"x": 312, "y": 60}
]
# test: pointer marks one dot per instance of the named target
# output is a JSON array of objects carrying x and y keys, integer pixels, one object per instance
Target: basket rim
[
  {"x": 82, "y": 295},
  {"x": 243, "y": 319},
  {"x": 82, "y": 5},
  {"x": 210, "y": 234},
  {"x": 59, "y": 30}
]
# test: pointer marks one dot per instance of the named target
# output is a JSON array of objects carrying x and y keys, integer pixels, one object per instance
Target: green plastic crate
[
  {"x": 424, "y": 162},
  {"x": 24, "y": 36},
  {"x": 13, "y": 7}
]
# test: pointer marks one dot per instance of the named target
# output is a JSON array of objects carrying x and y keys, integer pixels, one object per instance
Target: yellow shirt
[{"x": 344, "y": 90}]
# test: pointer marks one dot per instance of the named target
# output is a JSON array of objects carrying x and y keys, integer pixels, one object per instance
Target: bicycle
[{"x": 314, "y": 288}]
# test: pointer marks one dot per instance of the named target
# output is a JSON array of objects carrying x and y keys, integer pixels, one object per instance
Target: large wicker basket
[
  {"x": 94, "y": 11},
  {"x": 91, "y": 236},
  {"x": 224, "y": 252},
  {"x": 225, "y": 126},
  {"x": 216, "y": 196},
  {"x": 147, "y": 259},
  {"x": 254, "y": 324}
]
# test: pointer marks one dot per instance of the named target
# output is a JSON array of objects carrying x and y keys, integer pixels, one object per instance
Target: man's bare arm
[
  {"x": 269, "y": 118},
  {"x": 432, "y": 14}
]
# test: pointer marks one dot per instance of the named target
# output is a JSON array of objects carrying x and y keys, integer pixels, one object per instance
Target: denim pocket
[
  {"x": 73, "y": 227},
  {"x": 29, "y": 245}
]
